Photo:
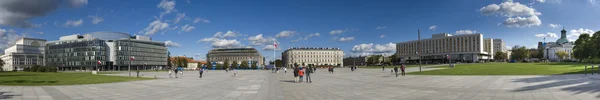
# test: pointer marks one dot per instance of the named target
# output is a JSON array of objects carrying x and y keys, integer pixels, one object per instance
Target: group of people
[
  {"x": 301, "y": 72},
  {"x": 402, "y": 67},
  {"x": 176, "y": 71},
  {"x": 353, "y": 68}
]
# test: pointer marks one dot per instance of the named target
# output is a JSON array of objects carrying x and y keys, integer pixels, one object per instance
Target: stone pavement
[{"x": 343, "y": 84}]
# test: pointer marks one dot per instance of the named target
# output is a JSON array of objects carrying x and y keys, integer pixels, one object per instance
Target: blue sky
[{"x": 359, "y": 27}]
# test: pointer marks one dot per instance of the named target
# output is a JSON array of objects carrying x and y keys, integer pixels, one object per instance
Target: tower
[{"x": 563, "y": 33}]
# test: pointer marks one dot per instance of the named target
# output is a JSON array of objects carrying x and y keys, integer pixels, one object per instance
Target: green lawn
[
  {"x": 509, "y": 69},
  {"x": 37, "y": 78},
  {"x": 407, "y": 66}
]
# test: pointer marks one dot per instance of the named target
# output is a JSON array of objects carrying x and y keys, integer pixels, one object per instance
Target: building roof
[
  {"x": 107, "y": 35},
  {"x": 233, "y": 50}
]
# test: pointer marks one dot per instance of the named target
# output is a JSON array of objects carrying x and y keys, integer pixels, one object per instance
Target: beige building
[
  {"x": 312, "y": 56},
  {"x": 220, "y": 55},
  {"x": 500, "y": 45},
  {"x": 459, "y": 48},
  {"x": 25, "y": 53}
]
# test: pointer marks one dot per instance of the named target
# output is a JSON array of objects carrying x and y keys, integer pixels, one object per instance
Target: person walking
[
  {"x": 200, "y": 71},
  {"x": 296, "y": 70},
  {"x": 285, "y": 69},
  {"x": 382, "y": 68},
  {"x": 234, "y": 72},
  {"x": 396, "y": 70},
  {"x": 170, "y": 76},
  {"x": 332, "y": 68},
  {"x": 176, "y": 72},
  {"x": 403, "y": 68},
  {"x": 301, "y": 74},
  {"x": 315, "y": 69},
  {"x": 308, "y": 71}
]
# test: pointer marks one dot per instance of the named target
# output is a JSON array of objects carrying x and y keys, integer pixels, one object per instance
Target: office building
[
  {"x": 25, "y": 53},
  {"x": 562, "y": 44},
  {"x": 500, "y": 46},
  {"x": 220, "y": 55},
  {"x": 312, "y": 56},
  {"x": 358, "y": 61},
  {"x": 112, "y": 49},
  {"x": 459, "y": 48}
]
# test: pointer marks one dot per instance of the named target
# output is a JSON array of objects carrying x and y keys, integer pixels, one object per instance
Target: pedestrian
[
  {"x": 301, "y": 74},
  {"x": 234, "y": 72},
  {"x": 329, "y": 69},
  {"x": 308, "y": 71},
  {"x": 396, "y": 70},
  {"x": 285, "y": 69},
  {"x": 227, "y": 70},
  {"x": 200, "y": 71},
  {"x": 176, "y": 72},
  {"x": 403, "y": 68},
  {"x": 315, "y": 69},
  {"x": 332, "y": 68},
  {"x": 382, "y": 68},
  {"x": 296, "y": 70},
  {"x": 170, "y": 71},
  {"x": 180, "y": 71}
]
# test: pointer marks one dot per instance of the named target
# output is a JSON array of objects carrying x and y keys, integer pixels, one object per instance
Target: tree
[
  {"x": 184, "y": 61},
  {"x": 209, "y": 65},
  {"x": 500, "y": 56},
  {"x": 279, "y": 63},
  {"x": 534, "y": 54},
  {"x": 1, "y": 64},
  {"x": 169, "y": 63},
  {"x": 561, "y": 54},
  {"x": 245, "y": 64},
  {"x": 594, "y": 45},
  {"x": 254, "y": 65},
  {"x": 235, "y": 64},
  {"x": 583, "y": 47},
  {"x": 199, "y": 65},
  {"x": 263, "y": 62},
  {"x": 226, "y": 64},
  {"x": 520, "y": 53},
  {"x": 394, "y": 59}
]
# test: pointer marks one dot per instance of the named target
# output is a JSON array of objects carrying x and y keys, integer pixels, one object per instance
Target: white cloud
[
  {"x": 285, "y": 33},
  {"x": 381, "y": 27},
  {"x": 167, "y": 5},
  {"x": 459, "y": 32},
  {"x": 71, "y": 23},
  {"x": 369, "y": 49},
  {"x": 550, "y": 35},
  {"x": 433, "y": 27},
  {"x": 170, "y": 43},
  {"x": 96, "y": 19},
  {"x": 554, "y": 25},
  {"x": 39, "y": 32},
  {"x": 307, "y": 37},
  {"x": 541, "y": 1},
  {"x": 574, "y": 33},
  {"x": 260, "y": 40},
  {"x": 333, "y": 32},
  {"x": 197, "y": 20},
  {"x": 18, "y": 13},
  {"x": 522, "y": 21},
  {"x": 346, "y": 39},
  {"x": 221, "y": 43},
  {"x": 154, "y": 27},
  {"x": 8, "y": 38},
  {"x": 314, "y": 34},
  {"x": 381, "y": 36},
  {"x": 231, "y": 34},
  {"x": 187, "y": 28},
  {"x": 519, "y": 15},
  {"x": 179, "y": 17},
  {"x": 270, "y": 48},
  {"x": 77, "y": 3},
  {"x": 593, "y": 2}
]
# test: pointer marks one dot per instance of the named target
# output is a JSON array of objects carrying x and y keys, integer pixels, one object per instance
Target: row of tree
[
  {"x": 587, "y": 48},
  {"x": 234, "y": 64}
]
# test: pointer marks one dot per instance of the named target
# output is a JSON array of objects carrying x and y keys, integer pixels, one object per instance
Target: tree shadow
[
  {"x": 25, "y": 82},
  {"x": 289, "y": 81},
  {"x": 18, "y": 75},
  {"x": 4, "y": 95},
  {"x": 566, "y": 63},
  {"x": 577, "y": 83}
]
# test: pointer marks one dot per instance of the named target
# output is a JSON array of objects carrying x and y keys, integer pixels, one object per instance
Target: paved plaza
[{"x": 362, "y": 84}]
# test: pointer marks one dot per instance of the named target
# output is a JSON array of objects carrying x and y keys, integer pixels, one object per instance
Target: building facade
[
  {"x": 500, "y": 46},
  {"x": 25, "y": 53},
  {"x": 114, "y": 51},
  {"x": 220, "y": 55},
  {"x": 562, "y": 44},
  {"x": 312, "y": 56},
  {"x": 459, "y": 48},
  {"x": 358, "y": 61}
]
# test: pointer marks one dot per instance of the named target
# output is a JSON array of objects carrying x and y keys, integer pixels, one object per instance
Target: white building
[
  {"x": 25, "y": 53},
  {"x": 460, "y": 48},
  {"x": 313, "y": 56},
  {"x": 562, "y": 44}
]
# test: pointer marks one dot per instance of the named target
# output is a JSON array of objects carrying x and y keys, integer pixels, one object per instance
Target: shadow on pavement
[
  {"x": 572, "y": 83},
  {"x": 289, "y": 81},
  {"x": 3, "y": 95}
]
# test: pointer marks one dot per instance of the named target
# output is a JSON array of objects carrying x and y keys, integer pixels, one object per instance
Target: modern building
[
  {"x": 25, "y": 53},
  {"x": 312, "y": 56},
  {"x": 500, "y": 45},
  {"x": 459, "y": 48},
  {"x": 220, "y": 55},
  {"x": 358, "y": 61},
  {"x": 106, "y": 51},
  {"x": 562, "y": 44}
]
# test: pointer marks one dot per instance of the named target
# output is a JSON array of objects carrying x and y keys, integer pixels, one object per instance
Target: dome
[
  {"x": 562, "y": 41},
  {"x": 107, "y": 35}
]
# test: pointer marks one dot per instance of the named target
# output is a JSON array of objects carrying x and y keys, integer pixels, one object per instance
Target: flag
[
  {"x": 131, "y": 58},
  {"x": 275, "y": 44},
  {"x": 99, "y": 63}
]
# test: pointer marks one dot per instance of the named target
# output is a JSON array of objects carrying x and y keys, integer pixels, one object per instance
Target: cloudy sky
[{"x": 359, "y": 27}]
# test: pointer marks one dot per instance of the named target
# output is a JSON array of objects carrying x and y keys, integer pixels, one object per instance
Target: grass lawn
[
  {"x": 37, "y": 78},
  {"x": 509, "y": 69},
  {"x": 407, "y": 66}
]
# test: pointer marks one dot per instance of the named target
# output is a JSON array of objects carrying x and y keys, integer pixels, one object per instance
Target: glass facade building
[{"x": 113, "y": 50}]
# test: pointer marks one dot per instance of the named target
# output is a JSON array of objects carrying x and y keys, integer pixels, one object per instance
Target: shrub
[
  {"x": 27, "y": 69},
  {"x": 41, "y": 69},
  {"x": 34, "y": 68},
  {"x": 50, "y": 69}
]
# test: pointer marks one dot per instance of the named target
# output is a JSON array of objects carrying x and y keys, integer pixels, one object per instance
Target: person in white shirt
[{"x": 284, "y": 69}]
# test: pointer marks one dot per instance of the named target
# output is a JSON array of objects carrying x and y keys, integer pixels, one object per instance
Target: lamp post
[{"x": 420, "y": 48}]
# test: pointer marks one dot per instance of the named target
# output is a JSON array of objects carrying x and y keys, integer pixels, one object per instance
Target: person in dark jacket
[
  {"x": 296, "y": 70},
  {"x": 307, "y": 74},
  {"x": 396, "y": 70}
]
